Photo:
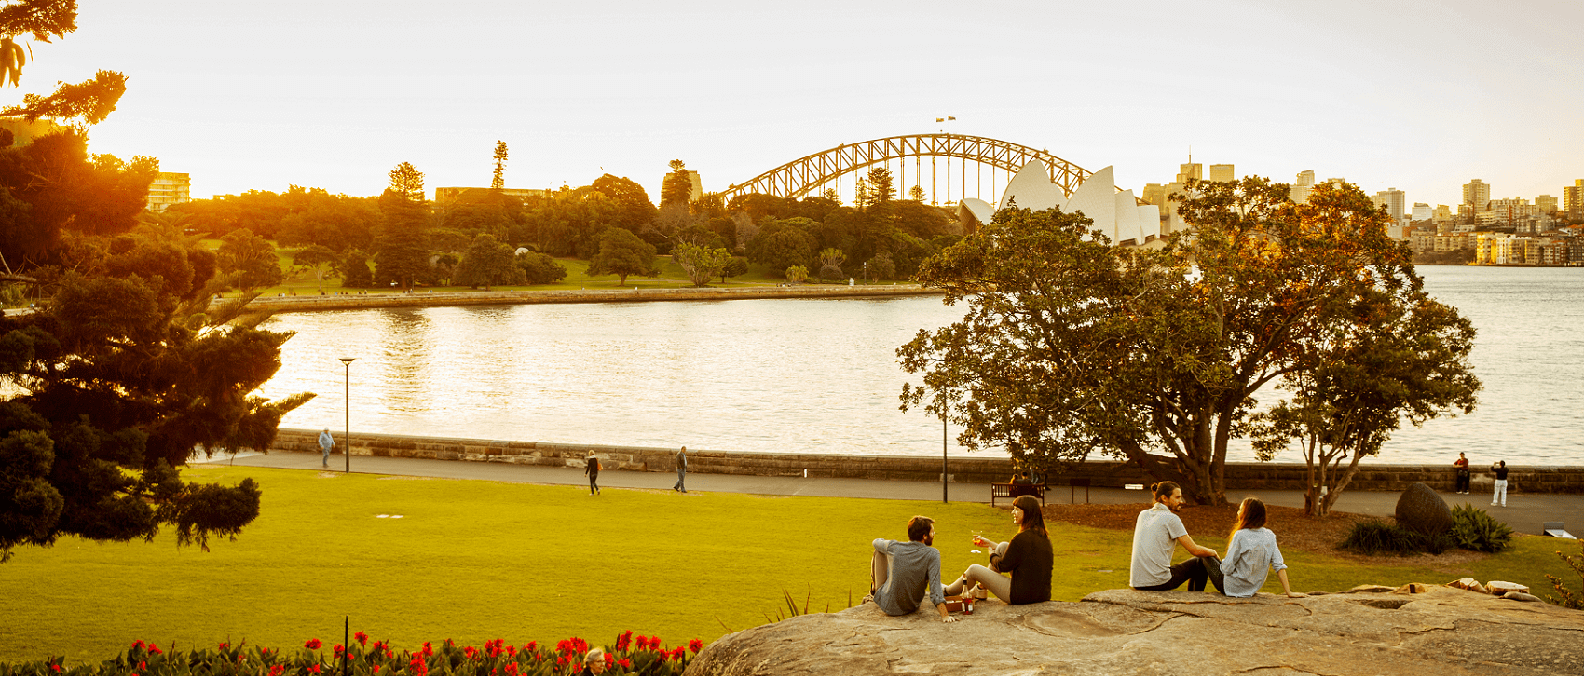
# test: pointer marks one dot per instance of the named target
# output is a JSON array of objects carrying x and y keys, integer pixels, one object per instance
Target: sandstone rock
[
  {"x": 1499, "y": 587},
  {"x": 1369, "y": 588},
  {"x": 1421, "y": 510},
  {"x": 1520, "y": 596},
  {"x": 1131, "y": 632},
  {"x": 1469, "y": 584},
  {"x": 1413, "y": 588}
]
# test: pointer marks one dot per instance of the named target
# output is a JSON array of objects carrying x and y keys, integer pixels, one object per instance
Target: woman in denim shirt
[{"x": 1252, "y": 553}]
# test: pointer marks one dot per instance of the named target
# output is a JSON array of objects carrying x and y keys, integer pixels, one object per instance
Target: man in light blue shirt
[
  {"x": 326, "y": 442},
  {"x": 901, "y": 572}
]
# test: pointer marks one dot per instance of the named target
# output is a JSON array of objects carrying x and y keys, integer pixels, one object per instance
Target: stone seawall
[
  {"x": 986, "y": 469},
  {"x": 446, "y": 298}
]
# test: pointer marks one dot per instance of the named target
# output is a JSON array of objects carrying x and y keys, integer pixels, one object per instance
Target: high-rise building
[
  {"x": 1546, "y": 204},
  {"x": 1573, "y": 199},
  {"x": 1443, "y": 214},
  {"x": 1509, "y": 210},
  {"x": 1155, "y": 193},
  {"x": 1476, "y": 193},
  {"x": 1303, "y": 186},
  {"x": 1394, "y": 200},
  {"x": 1193, "y": 170},
  {"x": 1222, "y": 173},
  {"x": 169, "y": 188},
  {"x": 1422, "y": 212}
]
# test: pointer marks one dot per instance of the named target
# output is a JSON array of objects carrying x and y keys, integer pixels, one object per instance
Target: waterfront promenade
[
  {"x": 358, "y": 301},
  {"x": 1525, "y": 513}
]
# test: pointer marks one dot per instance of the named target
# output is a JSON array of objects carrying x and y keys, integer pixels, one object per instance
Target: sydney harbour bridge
[{"x": 947, "y": 167}]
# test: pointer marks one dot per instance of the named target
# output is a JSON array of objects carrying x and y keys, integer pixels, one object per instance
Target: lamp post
[
  {"x": 945, "y": 406},
  {"x": 347, "y": 362}
]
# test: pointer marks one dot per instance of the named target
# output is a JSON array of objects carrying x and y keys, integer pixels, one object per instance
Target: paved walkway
[{"x": 1524, "y": 513}]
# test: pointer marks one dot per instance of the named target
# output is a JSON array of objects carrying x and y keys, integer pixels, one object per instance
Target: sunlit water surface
[{"x": 821, "y": 376}]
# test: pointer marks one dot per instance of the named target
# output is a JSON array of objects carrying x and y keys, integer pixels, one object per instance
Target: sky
[{"x": 1420, "y": 95}]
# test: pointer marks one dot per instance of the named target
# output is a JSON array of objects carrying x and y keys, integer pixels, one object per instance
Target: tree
[
  {"x": 316, "y": 257},
  {"x": 488, "y": 262},
  {"x": 407, "y": 181},
  {"x": 354, "y": 270},
  {"x": 632, "y": 208},
  {"x": 881, "y": 185},
  {"x": 1071, "y": 344},
  {"x": 677, "y": 188},
  {"x": 916, "y": 193},
  {"x": 539, "y": 268},
  {"x": 250, "y": 259},
  {"x": 736, "y": 267},
  {"x": 796, "y": 274},
  {"x": 401, "y": 248},
  {"x": 830, "y": 261},
  {"x": 52, "y": 184},
  {"x": 622, "y": 253},
  {"x": 700, "y": 263},
  {"x": 498, "y": 181}
]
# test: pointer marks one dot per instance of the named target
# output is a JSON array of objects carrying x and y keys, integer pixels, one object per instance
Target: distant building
[
  {"x": 695, "y": 186},
  {"x": 1443, "y": 214},
  {"x": 1509, "y": 210},
  {"x": 1493, "y": 248},
  {"x": 1394, "y": 200},
  {"x": 167, "y": 189},
  {"x": 1193, "y": 170},
  {"x": 1222, "y": 173},
  {"x": 1422, "y": 212},
  {"x": 445, "y": 194},
  {"x": 1573, "y": 199},
  {"x": 1546, "y": 204},
  {"x": 1303, "y": 186},
  {"x": 1477, "y": 194},
  {"x": 1155, "y": 193}
]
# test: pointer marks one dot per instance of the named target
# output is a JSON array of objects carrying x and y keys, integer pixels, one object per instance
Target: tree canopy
[
  {"x": 1072, "y": 345},
  {"x": 622, "y": 253}
]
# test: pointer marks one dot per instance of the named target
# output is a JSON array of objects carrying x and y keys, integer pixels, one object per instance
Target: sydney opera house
[{"x": 1116, "y": 214}]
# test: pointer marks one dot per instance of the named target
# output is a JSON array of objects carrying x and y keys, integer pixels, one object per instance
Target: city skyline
[{"x": 333, "y": 96}]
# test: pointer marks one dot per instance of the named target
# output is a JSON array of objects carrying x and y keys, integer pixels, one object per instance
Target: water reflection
[{"x": 821, "y": 375}]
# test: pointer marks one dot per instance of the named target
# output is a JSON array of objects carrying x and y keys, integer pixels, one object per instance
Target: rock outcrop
[
  {"x": 1420, "y": 509},
  {"x": 1442, "y": 631}
]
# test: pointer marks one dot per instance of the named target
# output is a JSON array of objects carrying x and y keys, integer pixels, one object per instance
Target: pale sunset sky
[{"x": 1418, "y": 95}]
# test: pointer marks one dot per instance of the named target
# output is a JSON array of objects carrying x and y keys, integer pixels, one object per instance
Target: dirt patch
[{"x": 1295, "y": 529}]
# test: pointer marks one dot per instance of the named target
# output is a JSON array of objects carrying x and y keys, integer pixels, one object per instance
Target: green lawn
[{"x": 475, "y": 561}]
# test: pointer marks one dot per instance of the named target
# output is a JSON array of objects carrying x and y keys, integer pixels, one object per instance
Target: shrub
[
  {"x": 1475, "y": 529},
  {"x": 1566, "y": 597},
  {"x": 1374, "y": 535}
]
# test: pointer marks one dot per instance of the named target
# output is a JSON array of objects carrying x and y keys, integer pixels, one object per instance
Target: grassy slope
[{"x": 478, "y": 560}]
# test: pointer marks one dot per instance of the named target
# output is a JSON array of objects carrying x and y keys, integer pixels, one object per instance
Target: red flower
[
  {"x": 427, "y": 651},
  {"x": 154, "y": 648},
  {"x": 532, "y": 646},
  {"x": 695, "y": 645},
  {"x": 276, "y": 670},
  {"x": 624, "y": 640},
  {"x": 224, "y": 646},
  {"x": 376, "y": 669},
  {"x": 142, "y": 666},
  {"x": 468, "y": 652},
  {"x": 609, "y": 660},
  {"x": 361, "y": 637},
  {"x": 313, "y": 644},
  {"x": 137, "y": 644},
  {"x": 313, "y": 669},
  {"x": 679, "y": 653},
  {"x": 625, "y": 663},
  {"x": 55, "y": 668},
  {"x": 663, "y": 655},
  {"x": 339, "y": 649}
]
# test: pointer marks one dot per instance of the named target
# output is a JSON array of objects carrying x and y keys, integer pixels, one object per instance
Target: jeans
[
  {"x": 1500, "y": 496},
  {"x": 1195, "y": 571},
  {"x": 324, "y": 455},
  {"x": 593, "y": 486},
  {"x": 681, "y": 476}
]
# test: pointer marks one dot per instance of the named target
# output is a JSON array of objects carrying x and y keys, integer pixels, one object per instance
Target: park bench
[{"x": 1011, "y": 491}]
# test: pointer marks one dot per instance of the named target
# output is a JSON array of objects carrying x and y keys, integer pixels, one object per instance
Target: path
[{"x": 1524, "y": 513}]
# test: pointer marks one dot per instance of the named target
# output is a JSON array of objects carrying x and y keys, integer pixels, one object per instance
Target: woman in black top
[{"x": 1028, "y": 557}]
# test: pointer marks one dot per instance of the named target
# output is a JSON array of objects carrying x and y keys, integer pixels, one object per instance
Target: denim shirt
[
  {"x": 915, "y": 566},
  {"x": 1249, "y": 559}
]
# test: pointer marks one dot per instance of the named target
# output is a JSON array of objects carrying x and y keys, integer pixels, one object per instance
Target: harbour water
[{"x": 820, "y": 376}]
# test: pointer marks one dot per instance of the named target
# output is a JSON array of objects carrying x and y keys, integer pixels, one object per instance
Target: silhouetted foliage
[{"x": 622, "y": 253}]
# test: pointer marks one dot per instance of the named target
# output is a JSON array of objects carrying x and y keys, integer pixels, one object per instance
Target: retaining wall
[
  {"x": 353, "y": 301},
  {"x": 985, "y": 469}
]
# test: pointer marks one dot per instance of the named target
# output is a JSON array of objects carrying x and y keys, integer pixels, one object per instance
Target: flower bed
[{"x": 629, "y": 655}]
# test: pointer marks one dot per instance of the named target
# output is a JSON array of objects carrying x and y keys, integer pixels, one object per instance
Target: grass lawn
[{"x": 475, "y": 561}]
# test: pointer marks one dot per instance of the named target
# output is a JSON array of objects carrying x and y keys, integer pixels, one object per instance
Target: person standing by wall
[
  {"x": 681, "y": 466},
  {"x": 1462, "y": 485},
  {"x": 1499, "y": 495},
  {"x": 592, "y": 470},
  {"x": 326, "y": 442}
]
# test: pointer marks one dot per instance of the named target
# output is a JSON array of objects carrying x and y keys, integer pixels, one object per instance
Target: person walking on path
[
  {"x": 681, "y": 466},
  {"x": 1156, "y": 535},
  {"x": 592, "y": 470},
  {"x": 1499, "y": 495},
  {"x": 326, "y": 442},
  {"x": 1251, "y": 553},
  {"x": 1462, "y": 486}
]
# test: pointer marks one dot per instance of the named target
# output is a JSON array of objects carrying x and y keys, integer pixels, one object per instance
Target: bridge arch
[{"x": 800, "y": 176}]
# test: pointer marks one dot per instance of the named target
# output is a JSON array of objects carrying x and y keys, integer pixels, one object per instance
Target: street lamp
[
  {"x": 945, "y": 407},
  {"x": 347, "y": 362}
]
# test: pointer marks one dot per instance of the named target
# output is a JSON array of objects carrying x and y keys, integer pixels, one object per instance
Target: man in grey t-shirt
[
  {"x": 1156, "y": 536},
  {"x": 900, "y": 572}
]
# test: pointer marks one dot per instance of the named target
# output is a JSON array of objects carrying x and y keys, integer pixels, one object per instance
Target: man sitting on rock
[
  {"x": 900, "y": 572},
  {"x": 1158, "y": 532}
]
